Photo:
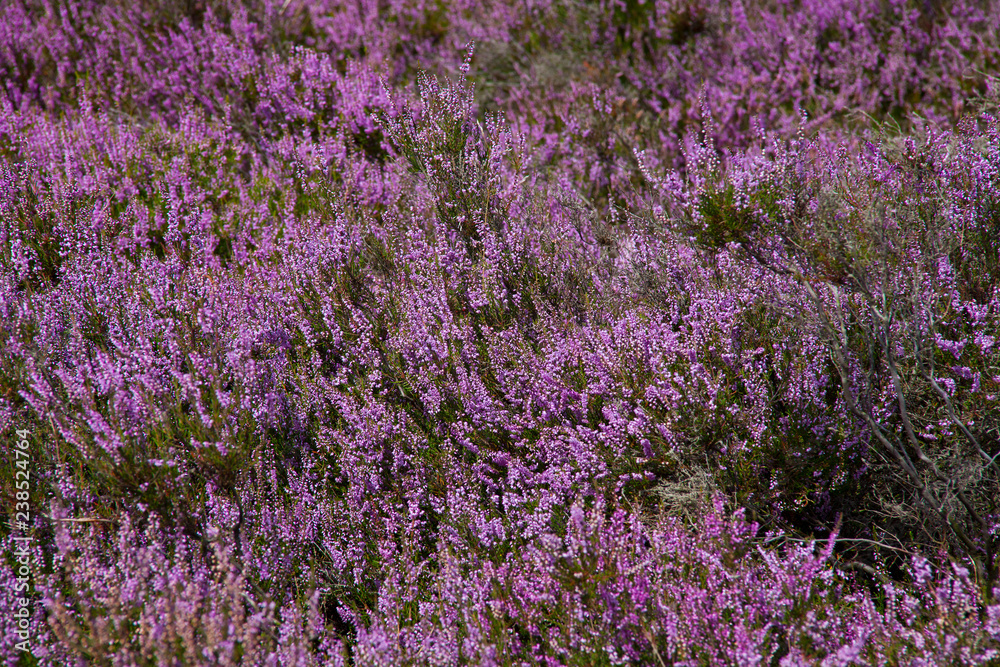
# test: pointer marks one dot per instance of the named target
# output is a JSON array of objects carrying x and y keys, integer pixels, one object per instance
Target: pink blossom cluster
[{"x": 639, "y": 333}]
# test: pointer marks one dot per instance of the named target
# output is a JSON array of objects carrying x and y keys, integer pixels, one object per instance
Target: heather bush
[
  {"x": 875, "y": 253},
  {"x": 641, "y": 333}
]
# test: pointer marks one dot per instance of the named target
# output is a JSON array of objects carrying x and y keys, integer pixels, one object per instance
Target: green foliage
[{"x": 732, "y": 217}]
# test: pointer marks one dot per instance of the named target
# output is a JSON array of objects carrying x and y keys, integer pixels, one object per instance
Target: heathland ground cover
[{"x": 660, "y": 332}]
